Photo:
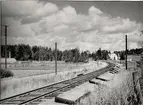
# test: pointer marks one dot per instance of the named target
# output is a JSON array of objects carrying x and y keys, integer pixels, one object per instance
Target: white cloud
[
  {"x": 42, "y": 11},
  {"x": 94, "y": 11},
  {"x": 15, "y": 28},
  {"x": 60, "y": 28},
  {"x": 47, "y": 9},
  {"x": 120, "y": 25},
  {"x": 69, "y": 14},
  {"x": 28, "y": 11},
  {"x": 45, "y": 24}
]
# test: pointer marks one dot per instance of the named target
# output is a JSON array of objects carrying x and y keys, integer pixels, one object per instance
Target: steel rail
[{"x": 70, "y": 83}]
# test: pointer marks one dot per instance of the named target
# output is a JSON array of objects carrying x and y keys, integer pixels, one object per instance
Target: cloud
[
  {"x": 46, "y": 24},
  {"x": 42, "y": 11},
  {"x": 60, "y": 28},
  {"x": 94, "y": 11},
  {"x": 119, "y": 25},
  {"x": 28, "y": 11},
  {"x": 15, "y": 28},
  {"x": 15, "y": 8}
]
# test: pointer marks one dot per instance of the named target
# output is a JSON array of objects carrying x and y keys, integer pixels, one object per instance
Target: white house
[{"x": 113, "y": 56}]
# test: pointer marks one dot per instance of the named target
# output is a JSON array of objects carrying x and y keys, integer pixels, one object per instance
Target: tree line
[
  {"x": 136, "y": 51},
  {"x": 24, "y": 52}
]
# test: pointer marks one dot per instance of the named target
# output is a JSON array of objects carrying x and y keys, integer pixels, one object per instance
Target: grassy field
[
  {"x": 39, "y": 68},
  {"x": 12, "y": 86},
  {"x": 131, "y": 64},
  {"x": 134, "y": 57},
  {"x": 41, "y": 65}
]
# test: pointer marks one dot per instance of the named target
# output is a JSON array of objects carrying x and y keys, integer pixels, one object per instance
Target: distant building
[
  {"x": 113, "y": 56},
  {"x": 9, "y": 60}
]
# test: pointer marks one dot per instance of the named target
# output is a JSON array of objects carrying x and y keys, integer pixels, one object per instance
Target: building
[
  {"x": 9, "y": 60},
  {"x": 113, "y": 56}
]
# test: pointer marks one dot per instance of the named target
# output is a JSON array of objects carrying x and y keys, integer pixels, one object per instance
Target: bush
[
  {"x": 122, "y": 56},
  {"x": 5, "y": 73}
]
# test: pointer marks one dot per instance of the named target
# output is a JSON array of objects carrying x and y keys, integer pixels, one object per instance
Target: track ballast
[{"x": 35, "y": 96}]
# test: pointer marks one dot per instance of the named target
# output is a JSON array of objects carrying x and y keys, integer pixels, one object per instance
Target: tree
[
  {"x": 84, "y": 56},
  {"x": 35, "y": 49},
  {"x": 19, "y": 52},
  {"x": 105, "y": 55},
  {"x": 98, "y": 53},
  {"x": 122, "y": 56},
  {"x": 23, "y": 52}
]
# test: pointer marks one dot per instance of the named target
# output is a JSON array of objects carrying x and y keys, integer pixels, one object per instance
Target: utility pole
[
  {"x": 76, "y": 57},
  {"x": 1, "y": 35},
  {"x": 126, "y": 51},
  {"x": 56, "y": 58},
  {"x": 6, "y": 26}
]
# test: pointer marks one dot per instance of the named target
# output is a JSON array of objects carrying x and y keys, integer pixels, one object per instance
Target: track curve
[{"x": 35, "y": 96}]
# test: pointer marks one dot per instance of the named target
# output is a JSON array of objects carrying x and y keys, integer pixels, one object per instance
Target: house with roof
[{"x": 113, "y": 56}]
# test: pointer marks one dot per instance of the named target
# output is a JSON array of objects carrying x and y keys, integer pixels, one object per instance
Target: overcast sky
[{"x": 86, "y": 25}]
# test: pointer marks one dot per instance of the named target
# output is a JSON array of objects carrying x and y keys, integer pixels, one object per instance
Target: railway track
[{"x": 36, "y": 96}]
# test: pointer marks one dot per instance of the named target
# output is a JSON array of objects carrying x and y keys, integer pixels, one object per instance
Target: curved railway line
[{"x": 36, "y": 96}]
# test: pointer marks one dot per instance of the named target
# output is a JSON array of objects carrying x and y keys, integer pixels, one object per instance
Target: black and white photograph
[{"x": 71, "y": 52}]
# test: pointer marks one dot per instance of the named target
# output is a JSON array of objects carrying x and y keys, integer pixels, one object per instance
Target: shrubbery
[{"x": 5, "y": 73}]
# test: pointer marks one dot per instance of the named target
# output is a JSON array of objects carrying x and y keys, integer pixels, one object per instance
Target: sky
[{"x": 84, "y": 25}]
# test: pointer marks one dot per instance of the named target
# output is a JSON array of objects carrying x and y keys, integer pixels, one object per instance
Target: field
[
  {"x": 25, "y": 69},
  {"x": 134, "y": 57},
  {"x": 132, "y": 63},
  {"x": 39, "y": 68},
  {"x": 16, "y": 85}
]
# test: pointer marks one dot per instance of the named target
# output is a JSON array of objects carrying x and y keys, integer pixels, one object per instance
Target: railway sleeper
[
  {"x": 37, "y": 100},
  {"x": 59, "y": 85},
  {"x": 72, "y": 83},
  {"x": 101, "y": 79},
  {"x": 46, "y": 90}
]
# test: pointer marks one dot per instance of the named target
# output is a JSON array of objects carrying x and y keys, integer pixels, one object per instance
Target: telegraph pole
[
  {"x": 56, "y": 58},
  {"x": 1, "y": 35},
  {"x": 6, "y": 26},
  {"x": 76, "y": 57},
  {"x": 126, "y": 52}
]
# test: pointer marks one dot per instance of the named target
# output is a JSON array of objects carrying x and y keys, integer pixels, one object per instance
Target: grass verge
[
  {"x": 13, "y": 86},
  {"x": 120, "y": 91}
]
